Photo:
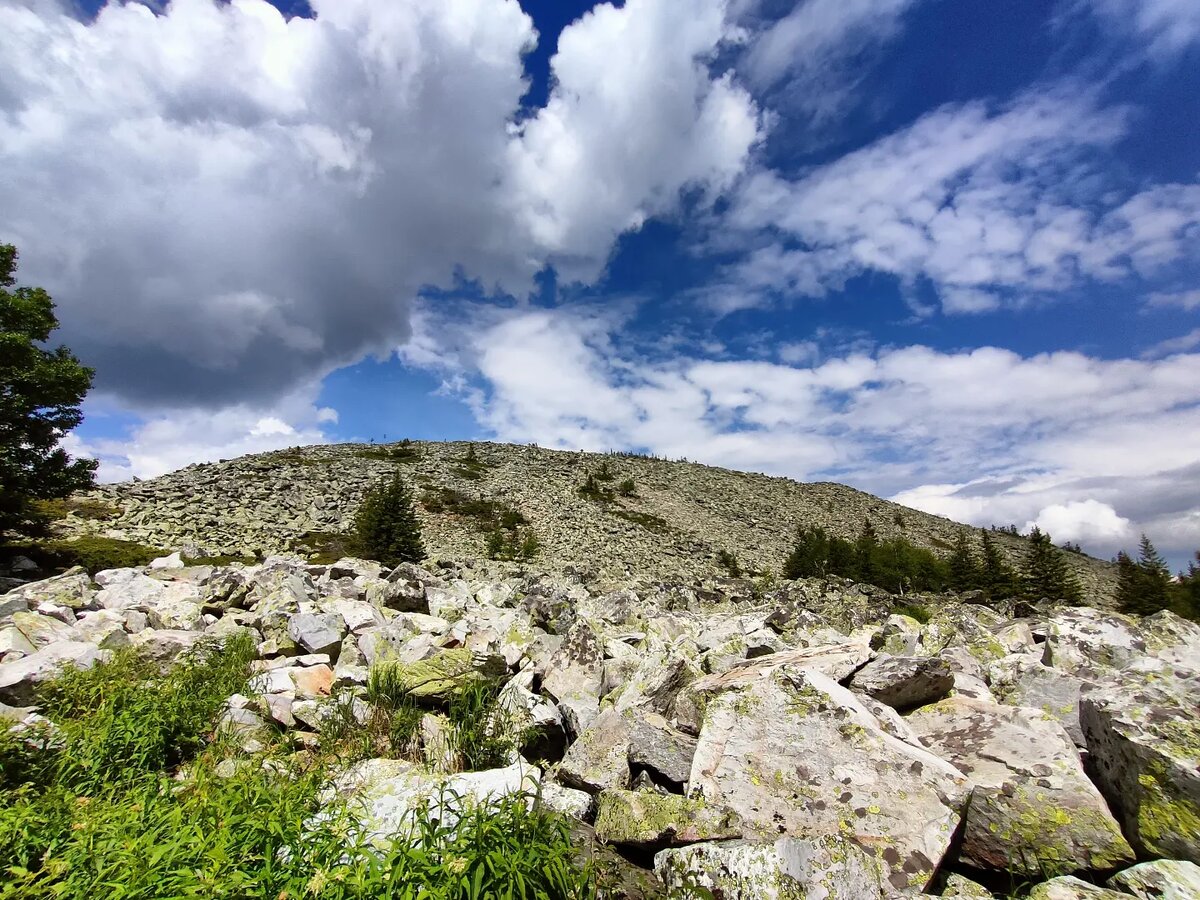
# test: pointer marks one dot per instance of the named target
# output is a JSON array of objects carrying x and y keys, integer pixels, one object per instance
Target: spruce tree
[
  {"x": 1143, "y": 587},
  {"x": 964, "y": 571},
  {"x": 1046, "y": 574},
  {"x": 996, "y": 577},
  {"x": 386, "y": 527},
  {"x": 866, "y": 553},
  {"x": 810, "y": 554}
]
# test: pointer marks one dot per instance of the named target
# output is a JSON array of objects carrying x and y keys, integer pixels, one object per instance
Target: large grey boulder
[
  {"x": 829, "y": 867},
  {"x": 599, "y": 759},
  {"x": 73, "y": 589},
  {"x": 1162, "y": 879},
  {"x": 574, "y": 675},
  {"x": 1023, "y": 680},
  {"x": 1032, "y": 807},
  {"x": 903, "y": 682},
  {"x": 796, "y": 753},
  {"x": 20, "y": 679},
  {"x": 318, "y": 632},
  {"x": 1144, "y": 748},
  {"x": 656, "y": 747},
  {"x": 40, "y": 630}
]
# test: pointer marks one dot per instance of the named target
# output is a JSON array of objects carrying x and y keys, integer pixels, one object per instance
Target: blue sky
[{"x": 947, "y": 252}]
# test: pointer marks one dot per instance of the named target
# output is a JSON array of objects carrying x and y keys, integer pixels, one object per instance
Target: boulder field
[{"x": 793, "y": 741}]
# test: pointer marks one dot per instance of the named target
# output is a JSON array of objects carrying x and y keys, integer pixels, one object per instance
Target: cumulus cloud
[
  {"x": 174, "y": 438},
  {"x": 1185, "y": 300},
  {"x": 992, "y": 207},
  {"x": 984, "y": 436},
  {"x": 227, "y": 204}
]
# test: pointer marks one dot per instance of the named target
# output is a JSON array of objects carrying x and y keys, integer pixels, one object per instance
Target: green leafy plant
[
  {"x": 913, "y": 611},
  {"x": 90, "y": 551},
  {"x": 627, "y": 488},
  {"x": 729, "y": 562}
]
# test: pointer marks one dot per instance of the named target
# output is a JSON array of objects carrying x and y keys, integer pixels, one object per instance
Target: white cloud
[
  {"x": 1083, "y": 520},
  {"x": 1164, "y": 27},
  {"x": 986, "y": 436},
  {"x": 226, "y": 204},
  {"x": 634, "y": 116},
  {"x": 1180, "y": 344},
  {"x": 993, "y": 208},
  {"x": 817, "y": 51},
  {"x": 173, "y": 439},
  {"x": 1185, "y": 300}
]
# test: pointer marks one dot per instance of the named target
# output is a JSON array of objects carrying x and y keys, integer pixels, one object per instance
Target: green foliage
[
  {"x": 482, "y": 734},
  {"x": 1144, "y": 587},
  {"x": 80, "y": 507},
  {"x": 220, "y": 559},
  {"x": 1185, "y": 592},
  {"x": 324, "y": 547},
  {"x": 604, "y": 472},
  {"x": 514, "y": 543},
  {"x": 405, "y": 451},
  {"x": 913, "y": 611},
  {"x": 470, "y": 466},
  {"x": 90, "y": 551},
  {"x": 627, "y": 488},
  {"x": 964, "y": 570},
  {"x": 652, "y": 523},
  {"x": 592, "y": 489},
  {"x": 996, "y": 578},
  {"x": 895, "y": 564},
  {"x": 40, "y": 394},
  {"x": 1046, "y": 574},
  {"x": 729, "y": 563},
  {"x": 128, "y": 802},
  {"x": 386, "y": 527}
]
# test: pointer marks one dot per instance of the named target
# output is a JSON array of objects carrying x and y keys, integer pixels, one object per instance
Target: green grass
[
  {"x": 324, "y": 548},
  {"x": 129, "y": 801},
  {"x": 648, "y": 521},
  {"x": 93, "y": 553},
  {"x": 220, "y": 559},
  {"x": 82, "y": 507}
]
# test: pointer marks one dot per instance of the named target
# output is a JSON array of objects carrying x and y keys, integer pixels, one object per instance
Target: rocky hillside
[
  {"x": 678, "y": 519},
  {"x": 807, "y": 742}
]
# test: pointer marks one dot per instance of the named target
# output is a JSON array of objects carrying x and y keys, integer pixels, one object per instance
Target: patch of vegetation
[
  {"x": 404, "y": 451},
  {"x": 469, "y": 466},
  {"x": 913, "y": 611},
  {"x": 92, "y": 552},
  {"x": 81, "y": 507},
  {"x": 488, "y": 515},
  {"x": 897, "y": 564},
  {"x": 220, "y": 559},
  {"x": 627, "y": 488},
  {"x": 518, "y": 543},
  {"x": 729, "y": 563},
  {"x": 592, "y": 489},
  {"x": 130, "y": 801},
  {"x": 604, "y": 472},
  {"x": 649, "y": 521},
  {"x": 323, "y": 548},
  {"x": 386, "y": 527},
  {"x": 296, "y": 456}
]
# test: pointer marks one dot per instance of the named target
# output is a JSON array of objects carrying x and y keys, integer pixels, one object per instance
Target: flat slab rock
[
  {"x": 1032, "y": 806},
  {"x": 799, "y": 755},
  {"x": 646, "y": 819},
  {"x": 831, "y": 867},
  {"x": 1163, "y": 879},
  {"x": 1072, "y": 888},
  {"x": 903, "y": 682}
]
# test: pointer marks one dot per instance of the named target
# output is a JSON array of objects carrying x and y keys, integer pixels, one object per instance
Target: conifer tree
[
  {"x": 386, "y": 527},
  {"x": 996, "y": 577},
  {"x": 866, "y": 553},
  {"x": 1143, "y": 587},
  {"x": 810, "y": 554},
  {"x": 964, "y": 571},
  {"x": 1046, "y": 574}
]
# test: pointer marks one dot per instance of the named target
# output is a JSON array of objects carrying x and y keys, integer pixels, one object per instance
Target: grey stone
[
  {"x": 903, "y": 682},
  {"x": 318, "y": 633},
  {"x": 1162, "y": 879},
  {"x": 20, "y": 679}
]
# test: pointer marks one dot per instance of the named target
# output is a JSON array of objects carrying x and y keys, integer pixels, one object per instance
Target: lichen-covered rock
[
  {"x": 318, "y": 632},
  {"x": 176, "y": 614},
  {"x": 830, "y": 867},
  {"x": 965, "y": 889},
  {"x": 1163, "y": 879},
  {"x": 382, "y": 795},
  {"x": 566, "y": 801},
  {"x": 574, "y": 675},
  {"x": 447, "y": 672},
  {"x": 796, "y": 753},
  {"x": 1082, "y": 639},
  {"x": 1024, "y": 680},
  {"x": 1144, "y": 745},
  {"x": 665, "y": 751},
  {"x": 73, "y": 589},
  {"x": 643, "y": 819},
  {"x": 19, "y": 679},
  {"x": 1032, "y": 807},
  {"x": 1071, "y": 888},
  {"x": 599, "y": 759},
  {"x": 903, "y": 682},
  {"x": 39, "y": 630}
]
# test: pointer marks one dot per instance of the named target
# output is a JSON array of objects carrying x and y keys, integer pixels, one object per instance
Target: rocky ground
[
  {"x": 804, "y": 741},
  {"x": 675, "y": 525}
]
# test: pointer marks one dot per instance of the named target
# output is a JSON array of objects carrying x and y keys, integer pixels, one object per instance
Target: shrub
[
  {"x": 627, "y": 488},
  {"x": 729, "y": 562},
  {"x": 913, "y": 611},
  {"x": 386, "y": 527}
]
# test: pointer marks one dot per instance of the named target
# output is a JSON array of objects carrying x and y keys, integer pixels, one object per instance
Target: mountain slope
[{"x": 681, "y": 516}]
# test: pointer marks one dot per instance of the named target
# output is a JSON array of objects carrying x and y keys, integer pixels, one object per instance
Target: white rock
[
  {"x": 19, "y": 679},
  {"x": 173, "y": 561}
]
